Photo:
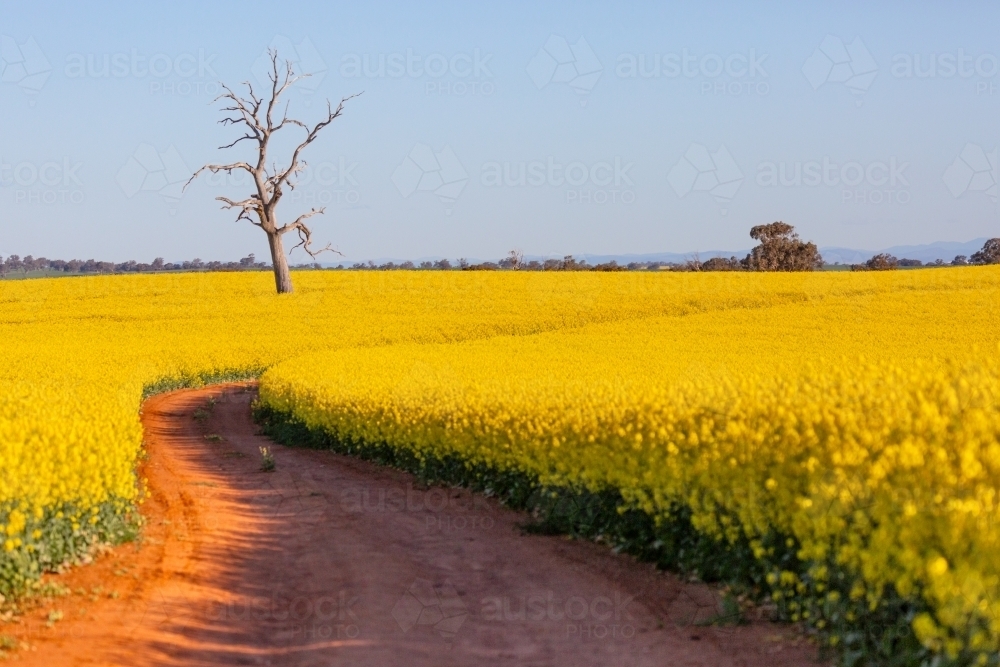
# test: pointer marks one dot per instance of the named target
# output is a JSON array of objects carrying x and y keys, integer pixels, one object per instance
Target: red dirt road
[{"x": 333, "y": 561}]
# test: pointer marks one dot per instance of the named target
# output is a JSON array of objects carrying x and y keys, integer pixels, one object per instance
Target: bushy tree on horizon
[
  {"x": 990, "y": 253},
  {"x": 781, "y": 249},
  {"x": 880, "y": 262}
]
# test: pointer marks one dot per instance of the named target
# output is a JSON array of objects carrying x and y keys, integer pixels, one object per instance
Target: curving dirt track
[{"x": 334, "y": 561}]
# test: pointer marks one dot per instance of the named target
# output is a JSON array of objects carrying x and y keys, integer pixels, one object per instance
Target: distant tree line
[
  {"x": 514, "y": 261},
  {"x": 989, "y": 254},
  {"x": 15, "y": 264},
  {"x": 780, "y": 249}
]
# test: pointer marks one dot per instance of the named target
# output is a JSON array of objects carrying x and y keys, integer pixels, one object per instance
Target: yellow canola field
[
  {"x": 77, "y": 353},
  {"x": 856, "y": 413},
  {"x": 862, "y": 420}
]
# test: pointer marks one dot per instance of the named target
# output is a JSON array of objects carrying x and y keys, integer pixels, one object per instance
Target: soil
[{"x": 330, "y": 560}]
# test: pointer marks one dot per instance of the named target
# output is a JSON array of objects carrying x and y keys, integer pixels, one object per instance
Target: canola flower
[
  {"x": 78, "y": 355},
  {"x": 865, "y": 426},
  {"x": 854, "y": 414}
]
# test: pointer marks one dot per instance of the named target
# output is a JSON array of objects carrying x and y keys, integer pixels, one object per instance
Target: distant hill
[
  {"x": 945, "y": 250},
  {"x": 672, "y": 257},
  {"x": 929, "y": 252}
]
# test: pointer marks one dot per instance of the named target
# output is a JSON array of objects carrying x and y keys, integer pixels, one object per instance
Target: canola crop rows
[
  {"x": 864, "y": 426},
  {"x": 856, "y": 416},
  {"x": 79, "y": 354}
]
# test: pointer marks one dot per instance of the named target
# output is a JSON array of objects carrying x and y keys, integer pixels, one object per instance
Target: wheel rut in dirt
[{"x": 330, "y": 560}]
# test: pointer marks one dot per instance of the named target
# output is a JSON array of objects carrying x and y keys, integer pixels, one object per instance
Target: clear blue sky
[{"x": 636, "y": 129}]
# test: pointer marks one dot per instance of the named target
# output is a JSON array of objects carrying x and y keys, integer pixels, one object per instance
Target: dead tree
[
  {"x": 514, "y": 260},
  {"x": 256, "y": 113}
]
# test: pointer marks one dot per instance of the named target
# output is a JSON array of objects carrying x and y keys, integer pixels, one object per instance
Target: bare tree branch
[
  {"x": 245, "y": 136},
  {"x": 251, "y": 203},
  {"x": 305, "y": 241},
  {"x": 298, "y": 221},
  {"x": 331, "y": 115},
  {"x": 247, "y": 109},
  {"x": 246, "y": 206},
  {"x": 216, "y": 168},
  {"x": 305, "y": 234}
]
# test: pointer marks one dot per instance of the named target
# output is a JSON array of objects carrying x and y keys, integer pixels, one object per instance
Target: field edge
[{"x": 846, "y": 629}]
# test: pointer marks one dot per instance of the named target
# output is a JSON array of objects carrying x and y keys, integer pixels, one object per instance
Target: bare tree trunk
[{"x": 282, "y": 278}]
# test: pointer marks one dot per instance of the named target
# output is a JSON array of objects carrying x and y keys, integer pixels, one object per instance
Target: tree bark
[{"x": 282, "y": 278}]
